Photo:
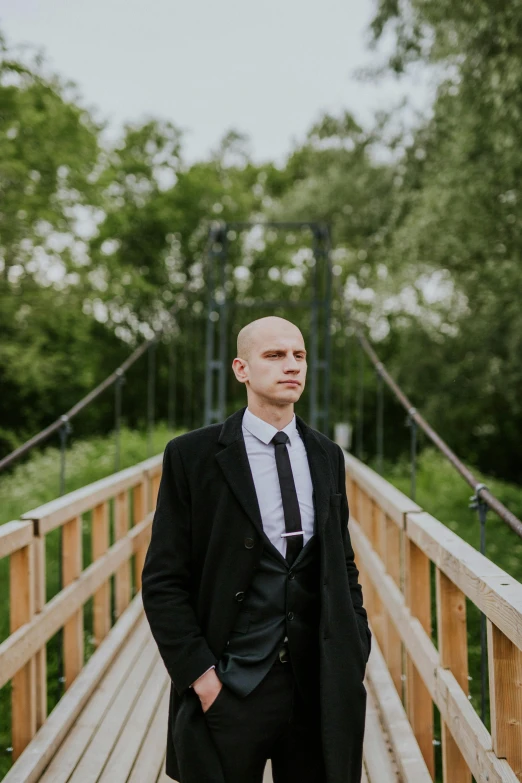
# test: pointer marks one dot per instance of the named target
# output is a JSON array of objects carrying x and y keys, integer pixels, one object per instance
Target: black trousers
[{"x": 272, "y": 722}]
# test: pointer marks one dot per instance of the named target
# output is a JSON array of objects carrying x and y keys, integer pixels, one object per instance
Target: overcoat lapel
[
  {"x": 233, "y": 461},
  {"x": 320, "y": 472}
]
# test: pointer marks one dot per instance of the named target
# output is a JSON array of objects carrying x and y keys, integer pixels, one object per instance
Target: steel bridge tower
[{"x": 218, "y": 309}]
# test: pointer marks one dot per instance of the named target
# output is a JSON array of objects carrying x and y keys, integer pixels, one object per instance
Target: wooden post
[
  {"x": 392, "y": 641},
  {"x": 40, "y": 658},
  {"x": 73, "y": 628},
  {"x": 376, "y": 516},
  {"x": 23, "y": 694},
  {"x": 453, "y": 652},
  {"x": 155, "y": 489},
  {"x": 139, "y": 512},
  {"x": 355, "y": 501},
  {"x": 505, "y": 694},
  {"x": 122, "y": 583},
  {"x": 349, "y": 491},
  {"x": 100, "y": 544},
  {"x": 419, "y": 706}
]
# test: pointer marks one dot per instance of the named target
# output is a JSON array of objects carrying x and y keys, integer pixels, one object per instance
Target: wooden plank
[
  {"x": 108, "y": 730},
  {"x": 453, "y": 651},
  {"x": 376, "y": 523},
  {"x": 163, "y": 777},
  {"x": 16, "y": 650},
  {"x": 42, "y": 748},
  {"x": 73, "y": 628},
  {"x": 393, "y": 502},
  {"x": 505, "y": 693},
  {"x": 406, "y": 751},
  {"x": 149, "y": 762},
  {"x": 122, "y": 581},
  {"x": 53, "y": 514},
  {"x": 490, "y": 588},
  {"x": 23, "y": 694},
  {"x": 377, "y": 757},
  {"x": 392, "y": 644},
  {"x": 468, "y": 731},
  {"x": 13, "y": 536},
  {"x": 102, "y": 596},
  {"x": 139, "y": 512},
  {"x": 79, "y": 737},
  {"x": 465, "y": 725},
  {"x": 136, "y": 726},
  {"x": 40, "y": 656},
  {"x": 419, "y": 705},
  {"x": 140, "y": 534},
  {"x": 155, "y": 488}
]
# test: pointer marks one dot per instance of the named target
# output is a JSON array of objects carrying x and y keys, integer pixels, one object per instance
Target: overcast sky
[{"x": 266, "y": 68}]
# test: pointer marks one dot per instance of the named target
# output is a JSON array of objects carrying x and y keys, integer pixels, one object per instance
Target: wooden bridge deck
[{"x": 110, "y": 725}]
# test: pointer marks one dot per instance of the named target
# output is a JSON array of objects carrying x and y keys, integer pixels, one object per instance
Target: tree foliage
[{"x": 100, "y": 244}]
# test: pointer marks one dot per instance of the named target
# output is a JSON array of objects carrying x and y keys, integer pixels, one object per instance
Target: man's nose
[{"x": 291, "y": 365}]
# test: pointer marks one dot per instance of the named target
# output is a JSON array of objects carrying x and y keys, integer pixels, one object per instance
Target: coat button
[
  {"x": 240, "y": 596},
  {"x": 249, "y": 543},
  {"x": 290, "y": 615},
  {"x": 291, "y": 575}
]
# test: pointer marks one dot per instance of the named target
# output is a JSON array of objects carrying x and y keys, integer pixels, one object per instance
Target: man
[{"x": 251, "y": 589}]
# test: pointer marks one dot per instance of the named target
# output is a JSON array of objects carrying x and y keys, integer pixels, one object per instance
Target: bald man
[{"x": 251, "y": 589}]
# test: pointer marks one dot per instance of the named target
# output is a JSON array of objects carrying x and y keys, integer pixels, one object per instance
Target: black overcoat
[{"x": 201, "y": 555}]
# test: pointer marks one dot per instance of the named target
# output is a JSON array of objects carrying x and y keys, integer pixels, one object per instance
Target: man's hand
[{"x": 207, "y": 687}]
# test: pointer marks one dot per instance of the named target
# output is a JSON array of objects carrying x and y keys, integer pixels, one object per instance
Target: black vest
[{"x": 280, "y": 601}]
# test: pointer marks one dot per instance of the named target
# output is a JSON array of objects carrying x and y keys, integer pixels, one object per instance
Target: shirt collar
[{"x": 265, "y": 431}]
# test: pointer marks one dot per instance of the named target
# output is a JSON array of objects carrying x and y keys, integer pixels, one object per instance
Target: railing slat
[
  {"x": 73, "y": 628},
  {"x": 505, "y": 694},
  {"x": 41, "y": 654},
  {"x": 392, "y": 640},
  {"x": 23, "y": 695},
  {"x": 139, "y": 511},
  {"x": 453, "y": 651},
  {"x": 122, "y": 582},
  {"x": 418, "y": 700},
  {"x": 102, "y": 597}
]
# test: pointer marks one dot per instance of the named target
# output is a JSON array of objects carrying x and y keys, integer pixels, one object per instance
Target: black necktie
[{"x": 294, "y": 532}]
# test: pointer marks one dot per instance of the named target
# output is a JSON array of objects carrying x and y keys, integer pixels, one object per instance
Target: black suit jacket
[{"x": 198, "y": 560}]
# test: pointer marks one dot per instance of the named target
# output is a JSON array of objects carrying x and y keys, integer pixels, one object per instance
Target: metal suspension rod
[
  {"x": 493, "y": 503},
  {"x": 360, "y": 404},
  {"x": 380, "y": 424},
  {"x": 171, "y": 411},
  {"x": 477, "y": 503},
  {"x": 117, "y": 419},
  {"x": 151, "y": 393}
]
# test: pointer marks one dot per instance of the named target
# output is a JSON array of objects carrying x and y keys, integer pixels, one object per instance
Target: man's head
[{"x": 270, "y": 353}]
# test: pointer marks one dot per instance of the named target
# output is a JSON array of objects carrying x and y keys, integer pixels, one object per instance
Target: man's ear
[{"x": 239, "y": 369}]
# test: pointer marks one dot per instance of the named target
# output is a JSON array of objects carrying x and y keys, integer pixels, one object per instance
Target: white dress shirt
[{"x": 261, "y": 456}]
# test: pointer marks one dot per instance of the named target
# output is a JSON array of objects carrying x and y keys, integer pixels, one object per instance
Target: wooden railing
[
  {"x": 395, "y": 543},
  {"x": 34, "y": 620}
]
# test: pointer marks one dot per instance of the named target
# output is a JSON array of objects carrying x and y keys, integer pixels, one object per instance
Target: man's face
[{"x": 276, "y": 370}]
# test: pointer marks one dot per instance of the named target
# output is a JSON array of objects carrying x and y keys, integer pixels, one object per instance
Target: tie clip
[{"x": 297, "y": 533}]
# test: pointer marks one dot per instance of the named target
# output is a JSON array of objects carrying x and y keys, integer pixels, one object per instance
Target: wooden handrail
[
  {"x": 33, "y": 619},
  {"x": 57, "y": 512},
  {"x": 395, "y": 541}
]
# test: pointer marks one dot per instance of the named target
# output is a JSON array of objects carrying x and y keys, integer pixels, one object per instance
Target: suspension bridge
[{"x": 420, "y": 582}]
